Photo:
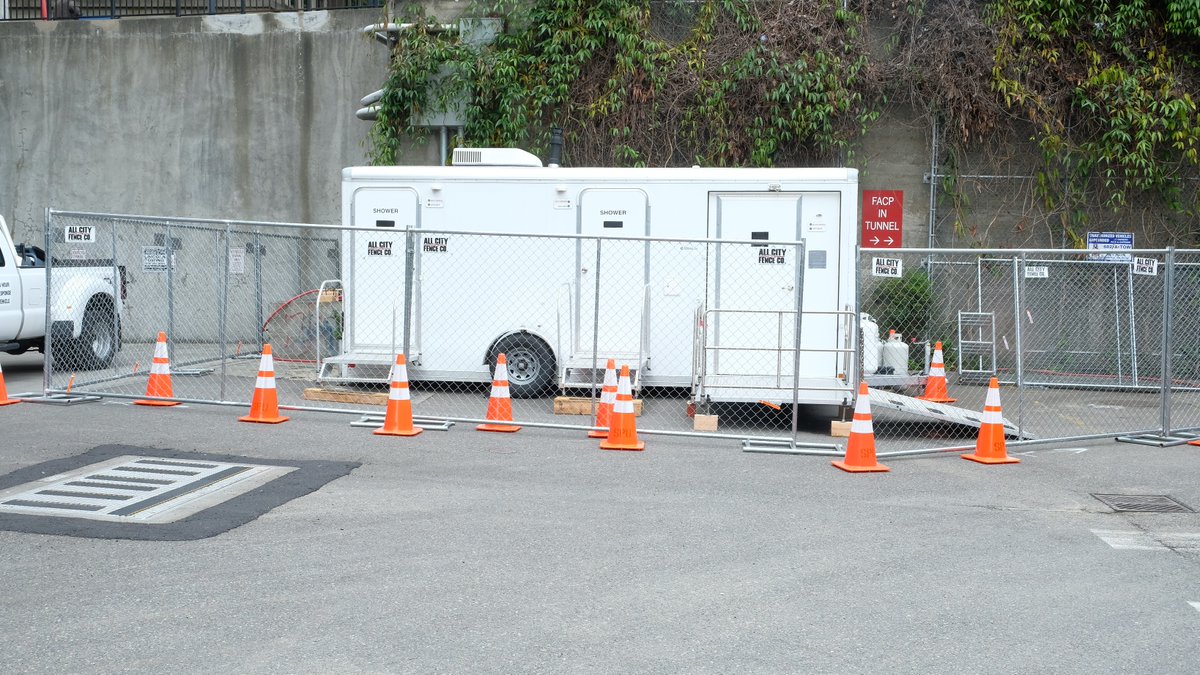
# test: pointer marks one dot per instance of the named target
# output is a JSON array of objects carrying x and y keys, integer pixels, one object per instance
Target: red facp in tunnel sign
[{"x": 882, "y": 218}]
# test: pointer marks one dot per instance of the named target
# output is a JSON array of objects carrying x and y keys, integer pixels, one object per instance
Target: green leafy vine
[{"x": 744, "y": 85}]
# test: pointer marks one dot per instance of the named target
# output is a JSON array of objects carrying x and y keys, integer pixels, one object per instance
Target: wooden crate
[
  {"x": 581, "y": 405},
  {"x": 839, "y": 429},
  {"x": 379, "y": 398}
]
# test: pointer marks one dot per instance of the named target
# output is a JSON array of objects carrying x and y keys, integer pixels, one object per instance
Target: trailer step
[
  {"x": 359, "y": 367},
  {"x": 578, "y": 372}
]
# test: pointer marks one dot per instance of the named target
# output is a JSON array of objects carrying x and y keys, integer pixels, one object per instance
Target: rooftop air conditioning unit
[{"x": 494, "y": 157}]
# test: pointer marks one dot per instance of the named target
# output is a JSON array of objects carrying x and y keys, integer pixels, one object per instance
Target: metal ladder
[{"x": 976, "y": 345}]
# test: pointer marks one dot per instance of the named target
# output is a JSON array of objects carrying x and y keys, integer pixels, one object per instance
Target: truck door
[
  {"x": 623, "y": 271},
  {"x": 377, "y": 297},
  {"x": 10, "y": 291},
  {"x": 752, "y": 291}
]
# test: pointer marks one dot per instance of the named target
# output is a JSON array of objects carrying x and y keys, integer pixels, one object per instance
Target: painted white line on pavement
[
  {"x": 1127, "y": 540},
  {"x": 1195, "y": 605}
]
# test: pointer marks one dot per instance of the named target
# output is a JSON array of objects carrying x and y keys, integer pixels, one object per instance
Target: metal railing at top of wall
[{"x": 51, "y": 10}]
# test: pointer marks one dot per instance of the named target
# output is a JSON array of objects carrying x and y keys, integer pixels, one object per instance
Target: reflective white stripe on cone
[
  {"x": 990, "y": 446},
  {"x": 398, "y": 420},
  {"x": 608, "y": 397},
  {"x": 499, "y": 407},
  {"x": 860, "y": 451},
  {"x": 622, "y": 432},
  {"x": 264, "y": 407},
  {"x": 159, "y": 384}
]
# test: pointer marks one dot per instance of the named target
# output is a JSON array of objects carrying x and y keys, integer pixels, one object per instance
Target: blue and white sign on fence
[{"x": 1115, "y": 241}]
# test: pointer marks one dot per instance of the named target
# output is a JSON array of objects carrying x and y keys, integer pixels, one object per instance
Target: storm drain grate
[
  {"x": 137, "y": 488},
  {"x": 1143, "y": 503}
]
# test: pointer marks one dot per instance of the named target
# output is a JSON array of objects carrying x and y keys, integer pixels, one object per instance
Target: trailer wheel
[{"x": 530, "y": 364}]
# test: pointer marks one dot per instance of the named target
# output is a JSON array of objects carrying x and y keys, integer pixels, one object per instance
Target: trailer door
[
  {"x": 753, "y": 289},
  {"x": 622, "y": 272},
  {"x": 753, "y": 298},
  {"x": 377, "y": 296}
]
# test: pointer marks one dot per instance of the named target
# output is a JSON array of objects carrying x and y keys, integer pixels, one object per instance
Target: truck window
[{"x": 1, "y": 258}]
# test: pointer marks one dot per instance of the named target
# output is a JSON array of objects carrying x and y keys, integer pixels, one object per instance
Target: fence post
[
  {"x": 258, "y": 290},
  {"x": 1018, "y": 266},
  {"x": 410, "y": 254},
  {"x": 118, "y": 298},
  {"x": 596, "y": 335},
  {"x": 47, "y": 339},
  {"x": 1167, "y": 376},
  {"x": 223, "y": 269},
  {"x": 170, "y": 246},
  {"x": 796, "y": 342}
]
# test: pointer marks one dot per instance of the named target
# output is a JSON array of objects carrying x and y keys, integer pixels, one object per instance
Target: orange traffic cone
[
  {"x": 500, "y": 402},
  {"x": 264, "y": 407},
  {"x": 4, "y": 399},
  {"x": 608, "y": 396},
  {"x": 935, "y": 386},
  {"x": 860, "y": 451},
  {"x": 622, "y": 430},
  {"x": 989, "y": 449},
  {"x": 160, "y": 375},
  {"x": 398, "y": 421}
]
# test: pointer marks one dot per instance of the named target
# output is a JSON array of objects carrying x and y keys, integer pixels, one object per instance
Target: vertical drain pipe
[
  {"x": 556, "y": 148},
  {"x": 933, "y": 181}
]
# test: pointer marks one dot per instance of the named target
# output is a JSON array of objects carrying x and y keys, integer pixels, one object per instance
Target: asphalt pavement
[{"x": 466, "y": 552}]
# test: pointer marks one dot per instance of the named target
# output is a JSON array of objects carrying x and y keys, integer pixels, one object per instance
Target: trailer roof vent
[{"x": 494, "y": 157}]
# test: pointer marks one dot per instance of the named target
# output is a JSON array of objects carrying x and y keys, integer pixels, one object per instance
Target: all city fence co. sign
[{"x": 882, "y": 218}]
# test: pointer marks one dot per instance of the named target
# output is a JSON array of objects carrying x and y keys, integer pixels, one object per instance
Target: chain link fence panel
[
  {"x": 708, "y": 329},
  {"x": 1076, "y": 341}
]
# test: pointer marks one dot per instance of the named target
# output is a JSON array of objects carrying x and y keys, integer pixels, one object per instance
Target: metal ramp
[{"x": 934, "y": 411}]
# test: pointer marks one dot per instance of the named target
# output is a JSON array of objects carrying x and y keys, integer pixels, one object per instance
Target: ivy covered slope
[
  {"x": 1110, "y": 87},
  {"x": 736, "y": 83},
  {"x": 1107, "y": 86}
]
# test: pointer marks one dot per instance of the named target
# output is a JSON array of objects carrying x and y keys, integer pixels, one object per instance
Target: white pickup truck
[{"x": 88, "y": 302}]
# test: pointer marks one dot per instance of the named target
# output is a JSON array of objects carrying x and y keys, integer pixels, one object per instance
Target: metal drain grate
[
  {"x": 134, "y": 488},
  {"x": 1143, "y": 503}
]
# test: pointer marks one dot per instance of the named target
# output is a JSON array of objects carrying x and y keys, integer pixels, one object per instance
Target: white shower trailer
[{"x": 715, "y": 317}]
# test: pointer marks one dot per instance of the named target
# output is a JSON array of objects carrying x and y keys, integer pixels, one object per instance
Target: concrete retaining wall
[{"x": 236, "y": 116}]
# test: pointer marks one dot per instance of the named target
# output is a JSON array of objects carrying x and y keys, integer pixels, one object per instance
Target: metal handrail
[
  {"x": 778, "y": 349},
  {"x": 326, "y": 284}
]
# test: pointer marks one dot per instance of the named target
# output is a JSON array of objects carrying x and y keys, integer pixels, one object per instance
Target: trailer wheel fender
[{"x": 531, "y": 363}]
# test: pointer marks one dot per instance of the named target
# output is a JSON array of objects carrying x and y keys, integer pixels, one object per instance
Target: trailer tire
[{"x": 530, "y": 364}]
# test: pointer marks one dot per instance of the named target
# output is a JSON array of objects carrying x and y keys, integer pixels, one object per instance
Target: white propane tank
[
  {"x": 895, "y": 354},
  {"x": 870, "y": 343}
]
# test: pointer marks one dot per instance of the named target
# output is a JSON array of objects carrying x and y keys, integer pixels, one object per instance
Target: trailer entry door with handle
[
  {"x": 623, "y": 271},
  {"x": 382, "y": 217},
  {"x": 753, "y": 295}
]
